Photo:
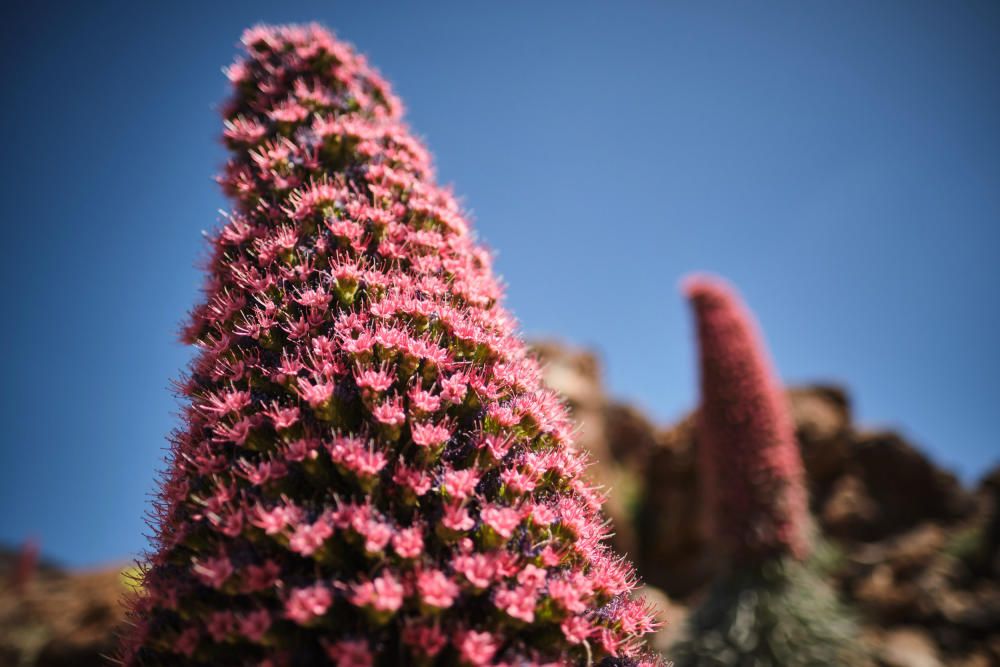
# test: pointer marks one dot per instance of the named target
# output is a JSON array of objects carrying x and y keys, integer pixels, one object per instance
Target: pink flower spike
[
  {"x": 367, "y": 458},
  {"x": 745, "y": 425}
]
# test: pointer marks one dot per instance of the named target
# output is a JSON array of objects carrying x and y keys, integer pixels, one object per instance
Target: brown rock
[
  {"x": 908, "y": 647},
  {"x": 988, "y": 496},
  {"x": 848, "y": 507},
  {"x": 904, "y": 485},
  {"x": 632, "y": 438},
  {"x": 919, "y": 556},
  {"x": 61, "y": 618},
  {"x": 672, "y": 521}
]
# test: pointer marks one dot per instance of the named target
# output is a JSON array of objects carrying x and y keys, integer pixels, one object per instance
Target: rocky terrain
[
  {"x": 56, "y": 618},
  {"x": 915, "y": 553}
]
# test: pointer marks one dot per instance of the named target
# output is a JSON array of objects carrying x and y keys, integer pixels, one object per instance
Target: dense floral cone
[
  {"x": 770, "y": 608},
  {"x": 370, "y": 472},
  {"x": 749, "y": 458}
]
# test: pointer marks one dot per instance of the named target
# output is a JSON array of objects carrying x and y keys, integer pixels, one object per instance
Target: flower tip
[{"x": 705, "y": 286}]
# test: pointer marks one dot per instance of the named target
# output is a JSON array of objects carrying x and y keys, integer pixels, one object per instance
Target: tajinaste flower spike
[
  {"x": 770, "y": 607},
  {"x": 370, "y": 471},
  {"x": 749, "y": 458}
]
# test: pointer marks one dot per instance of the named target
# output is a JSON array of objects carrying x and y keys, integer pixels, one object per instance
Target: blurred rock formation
[
  {"x": 916, "y": 553},
  {"x": 53, "y": 618}
]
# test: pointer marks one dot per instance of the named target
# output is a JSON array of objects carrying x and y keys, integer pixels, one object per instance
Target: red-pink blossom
[
  {"x": 460, "y": 484},
  {"x": 436, "y": 589},
  {"x": 517, "y": 602},
  {"x": 408, "y": 542},
  {"x": 456, "y": 517},
  {"x": 350, "y": 653},
  {"x": 384, "y": 593},
  {"x": 307, "y": 538},
  {"x": 576, "y": 629},
  {"x": 503, "y": 520},
  {"x": 304, "y": 604},
  {"x": 254, "y": 624},
  {"x": 214, "y": 571},
  {"x": 426, "y": 640},
  {"x": 477, "y": 648},
  {"x": 477, "y": 568}
]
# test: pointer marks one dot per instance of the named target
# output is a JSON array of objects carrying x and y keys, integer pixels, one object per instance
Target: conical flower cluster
[
  {"x": 770, "y": 607},
  {"x": 749, "y": 459},
  {"x": 370, "y": 472}
]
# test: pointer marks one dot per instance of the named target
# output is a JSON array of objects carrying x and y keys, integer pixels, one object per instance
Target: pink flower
[
  {"x": 550, "y": 557},
  {"x": 313, "y": 298},
  {"x": 454, "y": 388},
  {"x": 390, "y": 413},
  {"x": 456, "y": 517},
  {"x": 424, "y": 401},
  {"x": 368, "y": 463},
  {"x": 503, "y": 520},
  {"x": 358, "y": 457},
  {"x": 611, "y": 641},
  {"x": 612, "y": 574},
  {"x": 254, "y": 624},
  {"x": 260, "y": 577},
  {"x": 496, "y": 445},
  {"x": 477, "y": 648},
  {"x": 377, "y": 380},
  {"x": 282, "y": 418},
  {"x": 518, "y": 481},
  {"x": 388, "y": 593},
  {"x": 316, "y": 393},
  {"x": 576, "y": 629},
  {"x": 213, "y": 571},
  {"x": 304, "y": 604},
  {"x": 435, "y": 589},
  {"x": 567, "y": 596},
  {"x": 416, "y": 480},
  {"x": 227, "y": 402},
  {"x": 543, "y": 515},
  {"x": 479, "y": 569},
  {"x": 427, "y": 640},
  {"x": 376, "y": 534},
  {"x": 408, "y": 542},
  {"x": 187, "y": 641},
  {"x": 350, "y": 653},
  {"x": 271, "y": 521},
  {"x": 220, "y": 625},
  {"x": 531, "y": 577},
  {"x": 460, "y": 484},
  {"x": 383, "y": 594},
  {"x": 300, "y": 450},
  {"x": 636, "y": 617},
  {"x": 517, "y": 602},
  {"x": 308, "y": 538},
  {"x": 430, "y": 435}
]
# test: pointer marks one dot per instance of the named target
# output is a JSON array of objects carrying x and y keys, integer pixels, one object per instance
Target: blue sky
[{"x": 840, "y": 162}]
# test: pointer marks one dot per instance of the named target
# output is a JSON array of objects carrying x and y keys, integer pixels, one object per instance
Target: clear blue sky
[{"x": 839, "y": 161}]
